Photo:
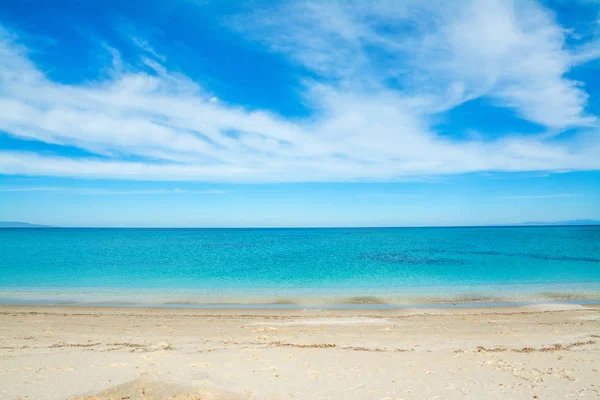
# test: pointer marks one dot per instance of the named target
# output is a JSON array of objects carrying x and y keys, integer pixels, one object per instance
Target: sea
[{"x": 301, "y": 268}]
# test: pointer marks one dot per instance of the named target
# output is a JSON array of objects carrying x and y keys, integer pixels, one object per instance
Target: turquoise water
[{"x": 299, "y": 266}]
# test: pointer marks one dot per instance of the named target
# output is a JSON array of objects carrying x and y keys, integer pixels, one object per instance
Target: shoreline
[
  {"x": 441, "y": 296},
  {"x": 299, "y": 306},
  {"x": 236, "y": 310},
  {"x": 473, "y": 308}
]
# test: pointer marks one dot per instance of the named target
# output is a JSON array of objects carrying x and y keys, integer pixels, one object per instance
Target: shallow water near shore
[{"x": 290, "y": 268}]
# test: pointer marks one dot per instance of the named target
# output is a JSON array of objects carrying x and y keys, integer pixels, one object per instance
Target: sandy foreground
[{"x": 542, "y": 352}]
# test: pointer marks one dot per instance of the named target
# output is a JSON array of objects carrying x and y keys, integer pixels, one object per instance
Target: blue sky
[{"x": 302, "y": 113}]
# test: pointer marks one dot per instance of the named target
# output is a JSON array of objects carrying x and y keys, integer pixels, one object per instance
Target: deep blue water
[{"x": 311, "y": 266}]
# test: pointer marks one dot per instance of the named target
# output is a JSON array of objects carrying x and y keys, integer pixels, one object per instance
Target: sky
[{"x": 200, "y": 113}]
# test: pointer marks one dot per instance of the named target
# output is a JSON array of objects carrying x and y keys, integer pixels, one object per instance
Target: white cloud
[
  {"x": 510, "y": 51},
  {"x": 362, "y": 128}
]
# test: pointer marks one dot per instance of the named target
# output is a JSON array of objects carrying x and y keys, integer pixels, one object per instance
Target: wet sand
[{"x": 542, "y": 352}]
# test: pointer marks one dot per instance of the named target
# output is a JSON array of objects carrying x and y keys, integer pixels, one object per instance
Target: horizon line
[{"x": 507, "y": 225}]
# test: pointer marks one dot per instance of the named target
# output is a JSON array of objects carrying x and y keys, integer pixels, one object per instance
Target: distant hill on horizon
[
  {"x": 568, "y": 222},
  {"x": 11, "y": 224}
]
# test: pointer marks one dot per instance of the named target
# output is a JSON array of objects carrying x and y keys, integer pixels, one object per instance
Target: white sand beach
[{"x": 54, "y": 353}]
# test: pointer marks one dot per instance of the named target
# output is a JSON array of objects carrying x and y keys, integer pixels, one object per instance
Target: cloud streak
[
  {"x": 107, "y": 192},
  {"x": 385, "y": 72}
]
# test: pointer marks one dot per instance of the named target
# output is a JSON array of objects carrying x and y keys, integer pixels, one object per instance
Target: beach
[
  {"x": 299, "y": 200},
  {"x": 544, "y": 352}
]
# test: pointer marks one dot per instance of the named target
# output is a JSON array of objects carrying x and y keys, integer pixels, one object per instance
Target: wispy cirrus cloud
[
  {"x": 380, "y": 74},
  {"x": 108, "y": 192},
  {"x": 442, "y": 54}
]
